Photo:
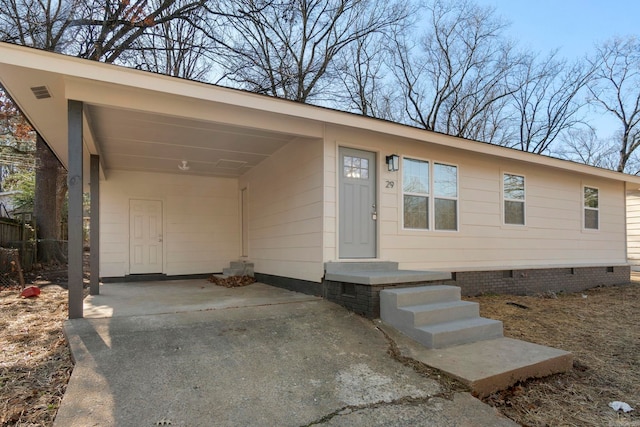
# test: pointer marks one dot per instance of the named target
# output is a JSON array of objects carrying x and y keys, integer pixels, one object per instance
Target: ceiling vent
[{"x": 41, "y": 92}]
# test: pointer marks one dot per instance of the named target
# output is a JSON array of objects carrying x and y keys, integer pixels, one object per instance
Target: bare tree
[
  {"x": 94, "y": 30},
  {"x": 615, "y": 90},
  {"x": 546, "y": 101},
  {"x": 582, "y": 145},
  {"x": 38, "y": 23},
  {"x": 365, "y": 86},
  {"x": 107, "y": 29},
  {"x": 287, "y": 48},
  {"x": 455, "y": 78}
]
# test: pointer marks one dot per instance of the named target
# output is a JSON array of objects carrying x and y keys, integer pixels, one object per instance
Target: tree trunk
[{"x": 46, "y": 210}]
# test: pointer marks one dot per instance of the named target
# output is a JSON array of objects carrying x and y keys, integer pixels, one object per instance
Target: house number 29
[{"x": 390, "y": 184}]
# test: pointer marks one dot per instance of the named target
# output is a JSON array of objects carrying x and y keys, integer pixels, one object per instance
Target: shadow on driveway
[{"x": 296, "y": 362}]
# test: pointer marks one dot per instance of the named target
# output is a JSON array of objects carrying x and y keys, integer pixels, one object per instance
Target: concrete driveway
[{"x": 195, "y": 354}]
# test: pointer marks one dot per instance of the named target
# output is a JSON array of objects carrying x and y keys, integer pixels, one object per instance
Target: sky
[{"x": 572, "y": 26}]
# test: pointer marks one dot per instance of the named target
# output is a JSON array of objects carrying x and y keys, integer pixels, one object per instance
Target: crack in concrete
[
  {"x": 406, "y": 400},
  {"x": 449, "y": 385}
]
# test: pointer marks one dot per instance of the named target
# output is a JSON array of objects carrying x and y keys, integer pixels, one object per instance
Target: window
[
  {"x": 591, "y": 210},
  {"x": 420, "y": 209},
  {"x": 445, "y": 193},
  {"x": 514, "y": 198},
  {"x": 415, "y": 186}
]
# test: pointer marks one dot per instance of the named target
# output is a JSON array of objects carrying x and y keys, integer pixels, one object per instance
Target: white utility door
[
  {"x": 145, "y": 236},
  {"x": 358, "y": 212}
]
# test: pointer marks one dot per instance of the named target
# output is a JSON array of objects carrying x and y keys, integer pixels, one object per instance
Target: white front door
[
  {"x": 145, "y": 236},
  {"x": 357, "y": 214}
]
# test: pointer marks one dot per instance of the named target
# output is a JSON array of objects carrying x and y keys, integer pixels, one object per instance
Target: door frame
[
  {"x": 376, "y": 195},
  {"x": 164, "y": 228}
]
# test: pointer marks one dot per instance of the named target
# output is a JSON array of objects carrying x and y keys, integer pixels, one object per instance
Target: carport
[{"x": 100, "y": 118}]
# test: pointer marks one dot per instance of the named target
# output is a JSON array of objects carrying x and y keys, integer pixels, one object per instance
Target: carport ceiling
[{"x": 140, "y": 141}]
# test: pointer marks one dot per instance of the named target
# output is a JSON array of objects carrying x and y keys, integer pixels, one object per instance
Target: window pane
[
  {"x": 591, "y": 219},
  {"x": 445, "y": 180},
  {"x": 415, "y": 176},
  {"x": 513, "y": 187},
  {"x": 513, "y": 212},
  {"x": 591, "y": 197},
  {"x": 446, "y": 215},
  {"x": 416, "y": 212},
  {"x": 355, "y": 167}
]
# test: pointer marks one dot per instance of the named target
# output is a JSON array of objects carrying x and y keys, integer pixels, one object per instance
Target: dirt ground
[{"x": 600, "y": 327}]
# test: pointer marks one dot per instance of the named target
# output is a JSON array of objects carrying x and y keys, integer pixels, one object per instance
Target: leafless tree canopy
[
  {"x": 615, "y": 90},
  {"x": 287, "y": 48},
  {"x": 442, "y": 65}
]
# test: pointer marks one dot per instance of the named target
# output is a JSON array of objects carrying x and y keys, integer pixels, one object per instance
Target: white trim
[
  {"x": 431, "y": 197},
  {"x": 585, "y": 208},
  {"x": 505, "y": 199}
]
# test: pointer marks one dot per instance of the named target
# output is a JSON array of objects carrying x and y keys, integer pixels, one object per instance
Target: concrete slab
[
  {"x": 372, "y": 277},
  {"x": 291, "y": 363},
  {"x": 490, "y": 365},
  {"x": 179, "y": 296}
]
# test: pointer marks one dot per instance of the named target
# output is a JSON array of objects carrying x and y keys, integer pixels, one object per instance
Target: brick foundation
[
  {"x": 365, "y": 299},
  {"x": 535, "y": 281}
]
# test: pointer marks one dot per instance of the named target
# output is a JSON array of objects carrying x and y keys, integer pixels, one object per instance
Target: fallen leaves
[
  {"x": 231, "y": 281},
  {"x": 35, "y": 363}
]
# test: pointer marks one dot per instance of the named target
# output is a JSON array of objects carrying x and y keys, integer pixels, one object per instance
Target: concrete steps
[
  {"x": 239, "y": 268},
  {"x": 435, "y": 316},
  {"x": 449, "y": 334}
]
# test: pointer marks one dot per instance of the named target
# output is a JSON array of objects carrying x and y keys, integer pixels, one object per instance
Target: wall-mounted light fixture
[
  {"x": 393, "y": 162},
  {"x": 184, "y": 166}
]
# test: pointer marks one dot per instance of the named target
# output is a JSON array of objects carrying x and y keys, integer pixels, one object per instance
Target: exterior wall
[
  {"x": 553, "y": 234},
  {"x": 285, "y": 212},
  {"x": 633, "y": 227},
  {"x": 200, "y": 221}
]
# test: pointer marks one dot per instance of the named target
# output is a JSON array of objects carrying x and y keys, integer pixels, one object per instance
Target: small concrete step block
[
  {"x": 497, "y": 364},
  {"x": 238, "y": 272},
  {"x": 441, "y": 312},
  {"x": 459, "y": 332},
  {"x": 238, "y": 265},
  {"x": 419, "y": 295}
]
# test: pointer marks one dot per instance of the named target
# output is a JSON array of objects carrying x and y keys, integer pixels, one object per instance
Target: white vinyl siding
[
  {"x": 286, "y": 212},
  {"x": 513, "y": 191},
  {"x": 553, "y": 234},
  {"x": 591, "y": 208},
  {"x": 633, "y": 227},
  {"x": 200, "y": 215}
]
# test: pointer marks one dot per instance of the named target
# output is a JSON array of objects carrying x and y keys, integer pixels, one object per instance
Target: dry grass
[
  {"x": 35, "y": 364},
  {"x": 602, "y": 330},
  {"x": 601, "y": 327}
]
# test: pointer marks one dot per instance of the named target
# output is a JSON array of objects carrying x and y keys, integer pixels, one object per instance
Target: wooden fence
[{"x": 19, "y": 235}]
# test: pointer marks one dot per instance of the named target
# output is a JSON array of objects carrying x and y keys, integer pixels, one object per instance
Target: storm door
[{"x": 358, "y": 212}]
